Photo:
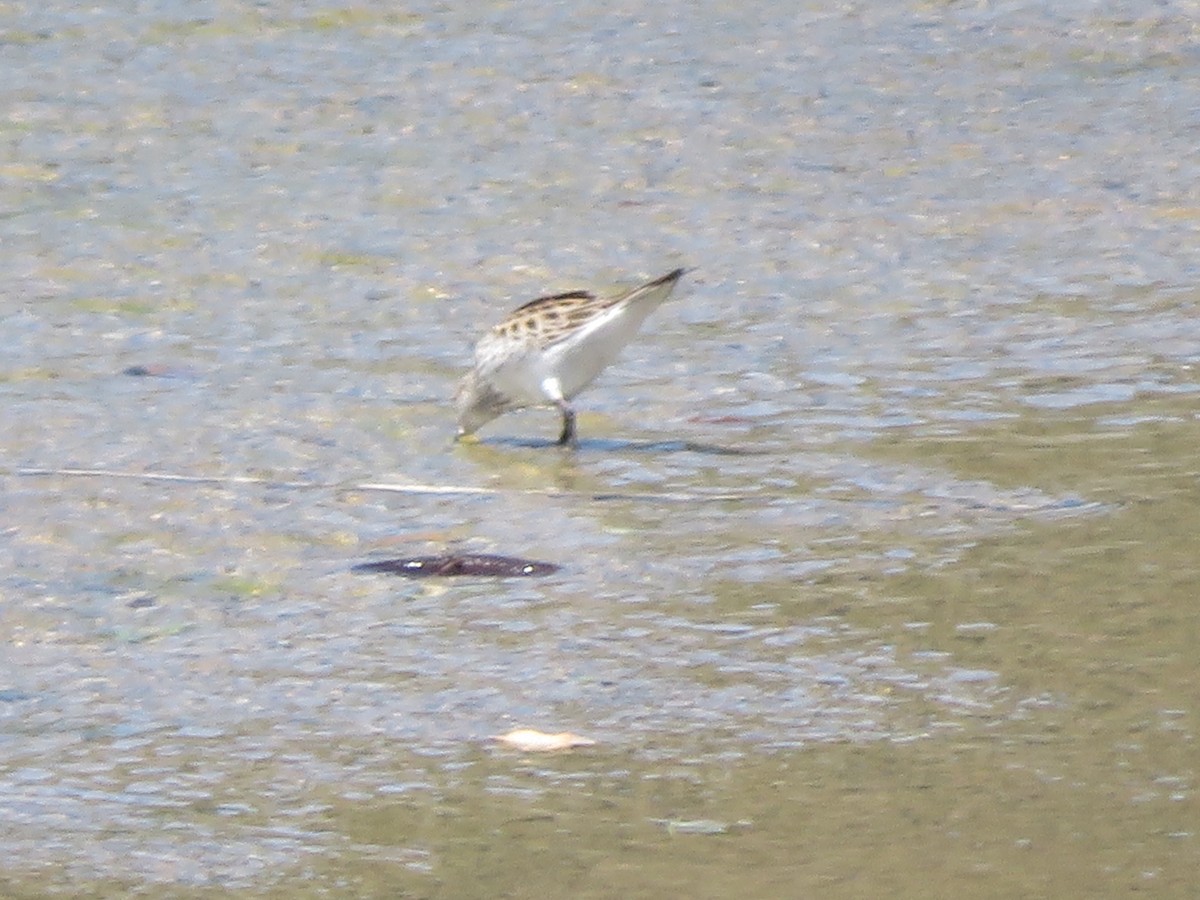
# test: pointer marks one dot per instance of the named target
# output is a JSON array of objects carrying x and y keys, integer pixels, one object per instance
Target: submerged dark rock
[
  {"x": 158, "y": 370},
  {"x": 483, "y": 565}
]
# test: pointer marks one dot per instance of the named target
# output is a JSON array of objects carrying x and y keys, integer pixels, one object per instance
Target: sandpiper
[{"x": 547, "y": 351}]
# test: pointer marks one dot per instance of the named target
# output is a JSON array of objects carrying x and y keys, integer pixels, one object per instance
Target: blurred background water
[{"x": 877, "y": 573}]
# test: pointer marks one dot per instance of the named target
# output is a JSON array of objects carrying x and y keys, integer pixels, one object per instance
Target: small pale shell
[{"x": 528, "y": 740}]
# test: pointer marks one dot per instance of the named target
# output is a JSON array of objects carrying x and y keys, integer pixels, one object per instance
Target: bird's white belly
[
  {"x": 536, "y": 375},
  {"x": 521, "y": 379},
  {"x": 578, "y": 360}
]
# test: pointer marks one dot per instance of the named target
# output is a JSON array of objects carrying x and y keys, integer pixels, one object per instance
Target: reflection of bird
[{"x": 547, "y": 351}]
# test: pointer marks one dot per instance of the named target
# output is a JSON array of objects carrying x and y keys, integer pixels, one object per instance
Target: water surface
[{"x": 877, "y": 574}]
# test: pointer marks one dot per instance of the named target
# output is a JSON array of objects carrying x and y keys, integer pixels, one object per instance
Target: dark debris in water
[
  {"x": 482, "y": 565},
  {"x": 158, "y": 370}
]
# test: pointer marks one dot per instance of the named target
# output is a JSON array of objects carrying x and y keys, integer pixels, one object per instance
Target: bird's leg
[
  {"x": 567, "y": 438},
  {"x": 554, "y": 393}
]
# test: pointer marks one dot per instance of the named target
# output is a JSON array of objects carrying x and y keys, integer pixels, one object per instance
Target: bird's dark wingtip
[{"x": 671, "y": 276}]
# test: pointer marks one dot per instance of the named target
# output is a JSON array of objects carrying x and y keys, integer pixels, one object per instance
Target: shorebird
[{"x": 547, "y": 351}]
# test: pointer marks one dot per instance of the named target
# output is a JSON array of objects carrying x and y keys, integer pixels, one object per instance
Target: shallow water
[{"x": 877, "y": 570}]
